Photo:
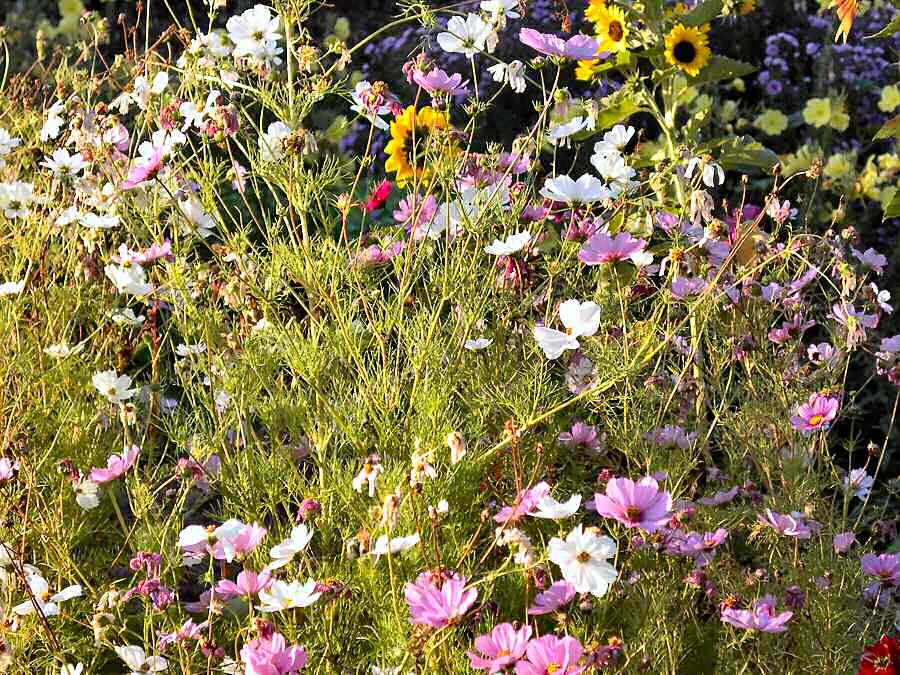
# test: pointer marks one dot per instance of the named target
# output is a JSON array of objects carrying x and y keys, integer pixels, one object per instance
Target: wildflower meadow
[{"x": 506, "y": 336}]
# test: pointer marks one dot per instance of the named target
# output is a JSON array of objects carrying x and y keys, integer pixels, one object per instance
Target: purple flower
[
  {"x": 503, "y": 647},
  {"x": 559, "y": 594},
  {"x": 816, "y": 414},
  {"x": 633, "y": 504},
  {"x": 871, "y": 259},
  {"x": 581, "y": 435},
  {"x": 700, "y": 547},
  {"x": 886, "y": 570},
  {"x": 685, "y": 286},
  {"x": 721, "y": 497},
  {"x": 116, "y": 465},
  {"x": 762, "y": 617},
  {"x": 578, "y": 47},
  {"x": 438, "y": 606},
  {"x": 793, "y": 525},
  {"x": 672, "y": 436},
  {"x": 843, "y": 542}
]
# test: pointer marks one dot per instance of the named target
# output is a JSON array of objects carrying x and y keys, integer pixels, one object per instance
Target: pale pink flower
[
  {"x": 603, "y": 249},
  {"x": 559, "y": 594},
  {"x": 762, "y": 617},
  {"x": 438, "y": 605},
  {"x": 116, "y": 465},
  {"x": 502, "y": 648},
  {"x": 526, "y": 502},
  {"x": 578, "y": 47},
  {"x": 633, "y": 504},
  {"x": 248, "y": 584}
]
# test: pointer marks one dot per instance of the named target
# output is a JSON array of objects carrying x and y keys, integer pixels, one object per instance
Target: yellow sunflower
[
  {"x": 612, "y": 30},
  {"x": 410, "y": 134},
  {"x": 592, "y": 13},
  {"x": 587, "y": 70},
  {"x": 688, "y": 49}
]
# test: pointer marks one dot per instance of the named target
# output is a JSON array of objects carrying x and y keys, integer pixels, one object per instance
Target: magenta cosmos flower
[
  {"x": 239, "y": 543},
  {"x": 503, "y": 647},
  {"x": 633, "y": 504},
  {"x": 248, "y": 584},
  {"x": 578, "y": 47},
  {"x": 551, "y": 654},
  {"x": 816, "y": 414},
  {"x": 116, "y": 465},
  {"x": 581, "y": 435},
  {"x": 272, "y": 656},
  {"x": 559, "y": 594},
  {"x": 762, "y": 617},
  {"x": 438, "y": 81},
  {"x": 437, "y": 606},
  {"x": 601, "y": 249},
  {"x": 145, "y": 170},
  {"x": 526, "y": 502},
  {"x": 793, "y": 525}
]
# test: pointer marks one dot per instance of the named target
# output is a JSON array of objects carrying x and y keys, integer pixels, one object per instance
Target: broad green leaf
[
  {"x": 890, "y": 128},
  {"x": 703, "y": 13},
  {"x": 722, "y": 68},
  {"x": 740, "y": 153},
  {"x": 653, "y": 9},
  {"x": 616, "y": 113},
  {"x": 892, "y": 210},
  {"x": 891, "y": 29}
]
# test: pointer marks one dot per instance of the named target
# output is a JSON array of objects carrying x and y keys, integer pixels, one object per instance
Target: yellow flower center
[
  {"x": 633, "y": 513},
  {"x": 584, "y": 556},
  {"x": 816, "y": 420},
  {"x": 553, "y": 667}
]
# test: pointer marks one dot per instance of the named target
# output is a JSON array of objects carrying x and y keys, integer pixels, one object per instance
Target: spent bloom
[{"x": 639, "y": 504}]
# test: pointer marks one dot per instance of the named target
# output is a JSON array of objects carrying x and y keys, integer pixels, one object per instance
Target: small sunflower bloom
[
  {"x": 612, "y": 30},
  {"x": 687, "y": 48},
  {"x": 411, "y": 132}
]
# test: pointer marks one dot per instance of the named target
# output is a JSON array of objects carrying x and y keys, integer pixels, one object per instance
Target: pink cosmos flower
[
  {"x": 116, "y": 465},
  {"x": 526, "y": 502},
  {"x": 188, "y": 631},
  {"x": 843, "y": 542},
  {"x": 416, "y": 212},
  {"x": 502, "y": 648},
  {"x": 816, "y": 414},
  {"x": 438, "y": 81},
  {"x": 578, "y": 47},
  {"x": 682, "y": 287},
  {"x": 884, "y": 567},
  {"x": 559, "y": 594},
  {"x": 793, "y": 525},
  {"x": 602, "y": 248},
  {"x": 240, "y": 543},
  {"x": 633, "y": 504},
  {"x": 376, "y": 255},
  {"x": 8, "y": 469},
  {"x": 438, "y": 606},
  {"x": 271, "y": 656},
  {"x": 700, "y": 547},
  {"x": 871, "y": 259},
  {"x": 762, "y": 617},
  {"x": 248, "y": 584},
  {"x": 144, "y": 171},
  {"x": 552, "y": 654},
  {"x": 669, "y": 435},
  {"x": 155, "y": 252},
  {"x": 581, "y": 435},
  {"x": 721, "y": 497}
]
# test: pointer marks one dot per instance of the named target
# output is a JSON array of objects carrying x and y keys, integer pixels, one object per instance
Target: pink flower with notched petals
[
  {"x": 633, "y": 504},
  {"x": 816, "y": 414},
  {"x": 188, "y": 631},
  {"x": 239, "y": 543},
  {"x": 145, "y": 170},
  {"x": 526, "y": 502},
  {"x": 552, "y": 654},
  {"x": 602, "y": 249},
  {"x": 789, "y": 525},
  {"x": 437, "y": 603},
  {"x": 581, "y": 435},
  {"x": 116, "y": 465},
  {"x": 248, "y": 584},
  {"x": 762, "y": 617},
  {"x": 578, "y": 47},
  {"x": 271, "y": 656},
  {"x": 155, "y": 252},
  {"x": 559, "y": 594},
  {"x": 502, "y": 648},
  {"x": 438, "y": 81}
]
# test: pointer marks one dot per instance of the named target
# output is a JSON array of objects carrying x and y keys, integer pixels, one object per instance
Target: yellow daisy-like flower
[
  {"x": 592, "y": 13},
  {"x": 612, "y": 30},
  {"x": 687, "y": 49},
  {"x": 772, "y": 122},
  {"x": 890, "y": 98},
  {"x": 817, "y": 112},
  {"x": 410, "y": 134},
  {"x": 586, "y": 71}
]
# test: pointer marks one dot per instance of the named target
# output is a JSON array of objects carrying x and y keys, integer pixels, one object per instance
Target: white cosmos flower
[
  {"x": 512, "y": 72},
  {"x": 64, "y": 165},
  {"x": 478, "y": 343},
  {"x": 128, "y": 279},
  {"x": 62, "y": 350},
  {"x": 54, "y": 122},
  {"x": 397, "y": 545},
  {"x": 551, "y": 509},
  {"x": 12, "y": 287},
  {"x": 581, "y": 319},
  {"x": 713, "y": 174},
  {"x": 271, "y": 148},
  {"x": 562, "y": 132},
  {"x": 465, "y": 36},
  {"x": 86, "y": 494},
  {"x": 614, "y": 140},
  {"x": 859, "y": 483},
  {"x": 190, "y": 350},
  {"x": 69, "y": 669},
  {"x": 255, "y": 35},
  {"x": 126, "y": 316},
  {"x": 615, "y": 171},
  {"x": 583, "y": 191},
  {"x": 97, "y": 222},
  {"x": 284, "y": 552},
  {"x": 282, "y": 595},
  {"x": 497, "y": 8},
  {"x": 514, "y": 242},
  {"x": 201, "y": 223},
  {"x": 582, "y": 558},
  {"x": 140, "y": 663},
  {"x": 47, "y": 602},
  {"x": 7, "y": 144},
  {"x": 116, "y": 388}
]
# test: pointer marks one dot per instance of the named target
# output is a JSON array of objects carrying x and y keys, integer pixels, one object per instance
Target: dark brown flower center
[
  {"x": 633, "y": 513},
  {"x": 685, "y": 52},
  {"x": 616, "y": 32}
]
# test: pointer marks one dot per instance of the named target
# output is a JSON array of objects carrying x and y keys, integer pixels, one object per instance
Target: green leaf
[
  {"x": 616, "y": 113},
  {"x": 703, "y": 13},
  {"x": 892, "y": 210},
  {"x": 891, "y": 29},
  {"x": 653, "y": 9},
  {"x": 722, "y": 68},
  {"x": 741, "y": 153},
  {"x": 890, "y": 128}
]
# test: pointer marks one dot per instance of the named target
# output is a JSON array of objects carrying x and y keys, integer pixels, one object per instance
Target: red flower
[
  {"x": 882, "y": 658},
  {"x": 379, "y": 196}
]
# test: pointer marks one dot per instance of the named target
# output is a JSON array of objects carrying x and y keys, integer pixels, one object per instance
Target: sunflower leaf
[
  {"x": 891, "y": 29},
  {"x": 703, "y": 13},
  {"x": 892, "y": 210},
  {"x": 722, "y": 68}
]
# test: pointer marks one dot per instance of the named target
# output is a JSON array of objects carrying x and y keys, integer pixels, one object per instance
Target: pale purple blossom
[{"x": 761, "y": 618}]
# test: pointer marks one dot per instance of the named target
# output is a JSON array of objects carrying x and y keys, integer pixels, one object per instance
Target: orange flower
[{"x": 846, "y": 11}]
